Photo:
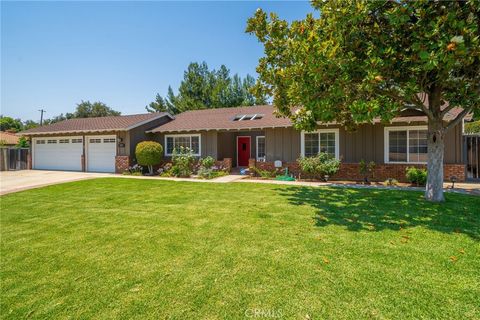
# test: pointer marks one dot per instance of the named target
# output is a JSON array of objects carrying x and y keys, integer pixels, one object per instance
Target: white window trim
[
  {"x": 256, "y": 147},
  {"x": 386, "y": 143},
  {"x": 333, "y": 130},
  {"x": 185, "y": 135}
]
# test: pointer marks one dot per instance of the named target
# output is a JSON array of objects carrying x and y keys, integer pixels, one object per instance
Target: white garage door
[
  {"x": 58, "y": 153},
  {"x": 101, "y": 151}
]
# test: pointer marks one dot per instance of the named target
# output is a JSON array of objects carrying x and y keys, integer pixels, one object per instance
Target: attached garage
[
  {"x": 57, "y": 153},
  {"x": 105, "y": 144},
  {"x": 100, "y": 154}
]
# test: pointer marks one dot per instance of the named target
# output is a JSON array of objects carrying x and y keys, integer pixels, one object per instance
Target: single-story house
[
  {"x": 241, "y": 137},
  {"x": 103, "y": 144},
  {"x": 255, "y": 136},
  {"x": 8, "y": 139}
]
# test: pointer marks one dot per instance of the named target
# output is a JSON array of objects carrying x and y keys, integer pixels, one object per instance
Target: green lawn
[{"x": 127, "y": 248}]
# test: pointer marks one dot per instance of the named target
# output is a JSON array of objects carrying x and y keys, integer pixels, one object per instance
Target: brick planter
[
  {"x": 350, "y": 171},
  {"x": 121, "y": 163}
]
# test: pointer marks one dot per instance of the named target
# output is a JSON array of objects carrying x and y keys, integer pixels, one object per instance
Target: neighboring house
[
  {"x": 104, "y": 144},
  {"x": 8, "y": 139},
  {"x": 241, "y": 137}
]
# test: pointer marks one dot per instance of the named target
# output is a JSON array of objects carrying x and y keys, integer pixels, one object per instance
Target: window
[
  {"x": 95, "y": 140},
  {"x": 76, "y": 140},
  {"x": 406, "y": 144},
  {"x": 63, "y": 141},
  {"x": 109, "y": 140},
  {"x": 242, "y": 117},
  {"x": 182, "y": 140},
  {"x": 40, "y": 142},
  {"x": 51, "y": 141},
  {"x": 324, "y": 140},
  {"x": 260, "y": 148}
]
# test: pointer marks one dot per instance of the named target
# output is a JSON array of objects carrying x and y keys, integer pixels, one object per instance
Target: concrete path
[
  {"x": 464, "y": 187},
  {"x": 14, "y": 181}
]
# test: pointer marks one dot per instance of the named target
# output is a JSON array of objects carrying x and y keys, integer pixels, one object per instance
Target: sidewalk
[{"x": 465, "y": 187}]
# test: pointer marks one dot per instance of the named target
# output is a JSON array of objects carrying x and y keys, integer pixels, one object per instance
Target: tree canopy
[
  {"x": 10, "y": 124},
  {"x": 202, "y": 88},
  {"x": 372, "y": 59},
  {"x": 85, "y": 109}
]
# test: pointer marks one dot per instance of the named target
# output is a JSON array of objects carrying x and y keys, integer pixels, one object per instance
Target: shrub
[
  {"x": 416, "y": 176},
  {"x": 135, "y": 170},
  {"x": 366, "y": 169},
  {"x": 267, "y": 174},
  {"x": 182, "y": 159},
  {"x": 322, "y": 165},
  {"x": 207, "y": 162},
  {"x": 23, "y": 143},
  {"x": 210, "y": 173},
  {"x": 390, "y": 182},
  {"x": 149, "y": 153}
]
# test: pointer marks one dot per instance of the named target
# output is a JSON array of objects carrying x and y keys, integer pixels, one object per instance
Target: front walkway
[
  {"x": 14, "y": 181},
  {"x": 464, "y": 187}
]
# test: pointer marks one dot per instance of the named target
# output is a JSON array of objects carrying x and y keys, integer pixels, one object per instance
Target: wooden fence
[{"x": 13, "y": 158}]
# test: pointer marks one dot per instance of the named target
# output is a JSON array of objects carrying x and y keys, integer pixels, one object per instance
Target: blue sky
[{"x": 54, "y": 54}]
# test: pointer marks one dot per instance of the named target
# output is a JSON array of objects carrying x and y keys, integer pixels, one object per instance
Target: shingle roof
[
  {"x": 101, "y": 124},
  {"x": 222, "y": 119},
  {"x": 8, "y": 138}
]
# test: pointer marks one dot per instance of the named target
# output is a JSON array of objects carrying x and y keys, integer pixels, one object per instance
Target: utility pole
[{"x": 41, "y": 116}]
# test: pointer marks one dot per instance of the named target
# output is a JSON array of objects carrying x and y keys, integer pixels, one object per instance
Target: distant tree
[
  {"x": 60, "y": 117},
  {"x": 202, "y": 88},
  {"x": 86, "y": 109},
  {"x": 162, "y": 104},
  {"x": 10, "y": 124},
  {"x": 29, "y": 124}
]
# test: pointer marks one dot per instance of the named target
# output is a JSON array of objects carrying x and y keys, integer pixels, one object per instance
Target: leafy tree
[
  {"x": 371, "y": 59},
  {"x": 22, "y": 143},
  {"x": 10, "y": 124},
  {"x": 29, "y": 124},
  {"x": 60, "y": 117},
  {"x": 86, "y": 109},
  {"x": 202, "y": 88}
]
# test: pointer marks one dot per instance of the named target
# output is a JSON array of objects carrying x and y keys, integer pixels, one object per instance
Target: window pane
[
  {"x": 169, "y": 145},
  {"x": 195, "y": 145},
  {"x": 397, "y": 146},
  {"x": 261, "y": 147},
  {"x": 311, "y": 144},
  {"x": 327, "y": 142},
  {"x": 417, "y": 140}
]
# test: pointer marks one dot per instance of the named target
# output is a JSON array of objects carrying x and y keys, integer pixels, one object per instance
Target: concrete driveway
[{"x": 14, "y": 181}]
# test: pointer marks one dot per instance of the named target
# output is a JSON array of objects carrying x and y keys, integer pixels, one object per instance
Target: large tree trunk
[{"x": 436, "y": 146}]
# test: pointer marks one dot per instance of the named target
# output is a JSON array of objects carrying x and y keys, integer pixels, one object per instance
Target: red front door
[{"x": 243, "y": 151}]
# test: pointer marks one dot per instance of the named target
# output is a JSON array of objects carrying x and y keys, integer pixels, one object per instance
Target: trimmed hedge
[{"x": 149, "y": 153}]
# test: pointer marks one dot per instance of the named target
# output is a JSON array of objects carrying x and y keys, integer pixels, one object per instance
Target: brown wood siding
[
  {"x": 226, "y": 145},
  {"x": 138, "y": 134},
  {"x": 366, "y": 143},
  {"x": 282, "y": 144}
]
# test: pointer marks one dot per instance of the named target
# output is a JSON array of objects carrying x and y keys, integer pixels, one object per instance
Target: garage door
[
  {"x": 57, "y": 153},
  {"x": 101, "y": 151}
]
